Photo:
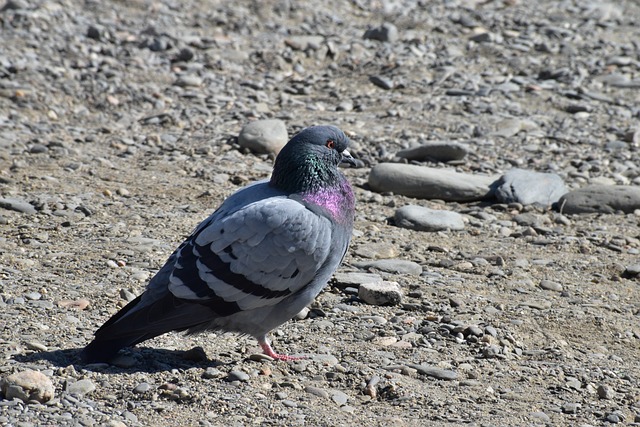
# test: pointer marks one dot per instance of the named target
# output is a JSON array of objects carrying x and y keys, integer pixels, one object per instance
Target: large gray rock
[
  {"x": 439, "y": 151},
  {"x": 430, "y": 183},
  {"x": 264, "y": 136},
  {"x": 529, "y": 187},
  {"x": 420, "y": 218},
  {"x": 601, "y": 198}
]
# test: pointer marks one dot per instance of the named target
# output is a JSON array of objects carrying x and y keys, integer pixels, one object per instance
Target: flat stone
[
  {"x": 571, "y": 408},
  {"x": 432, "y": 371},
  {"x": 81, "y": 387},
  {"x": 529, "y": 187},
  {"x": 420, "y": 218},
  {"x": 430, "y": 183},
  {"x": 398, "y": 266},
  {"x": 188, "y": 80},
  {"x": 27, "y": 385},
  {"x": 439, "y": 151},
  {"x": 305, "y": 42},
  {"x": 339, "y": 397},
  {"x": 325, "y": 359},
  {"x": 601, "y": 198},
  {"x": 79, "y": 304},
  {"x": 541, "y": 416},
  {"x": 264, "y": 136},
  {"x": 384, "y": 293},
  {"x": 143, "y": 387},
  {"x": 238, "y": 376},
  {"x": 356, "y": 279},
  {"x": 377, "y": 250},
  {"x": 512, "y": 126},
  {"x": 317, "y": 391},
  {"x": 550, "y": 285},
  {"x": 17, "y": 205}
]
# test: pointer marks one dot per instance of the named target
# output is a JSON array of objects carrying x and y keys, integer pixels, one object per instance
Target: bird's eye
[{"x": 330, "y": 143}]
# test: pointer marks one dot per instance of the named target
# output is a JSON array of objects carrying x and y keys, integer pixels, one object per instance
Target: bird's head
[{"x": 311, "y": 159}]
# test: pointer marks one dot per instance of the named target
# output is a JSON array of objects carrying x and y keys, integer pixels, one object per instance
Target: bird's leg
[{"x": 266, "y": 347}]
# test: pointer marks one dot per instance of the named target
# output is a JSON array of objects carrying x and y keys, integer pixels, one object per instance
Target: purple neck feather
[{"x": 338, "y": 201}]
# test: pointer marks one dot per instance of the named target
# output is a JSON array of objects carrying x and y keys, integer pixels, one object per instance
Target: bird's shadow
[{"x": 140, "y": 359}]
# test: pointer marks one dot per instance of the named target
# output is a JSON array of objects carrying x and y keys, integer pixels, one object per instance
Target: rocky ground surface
[{"x": 118, "y": 134}]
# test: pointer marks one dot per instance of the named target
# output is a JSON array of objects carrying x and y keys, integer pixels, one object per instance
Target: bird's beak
[{"x": 347, "y": 158}]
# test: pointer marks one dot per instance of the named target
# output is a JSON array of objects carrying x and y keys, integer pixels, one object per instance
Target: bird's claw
[{"x": 266, "y": 348}]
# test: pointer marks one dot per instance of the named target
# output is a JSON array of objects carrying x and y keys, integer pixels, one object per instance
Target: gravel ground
[{"x": 118, "y": 134}]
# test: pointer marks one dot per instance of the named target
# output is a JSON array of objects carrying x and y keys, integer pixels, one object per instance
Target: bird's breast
[{"x": 338, "y": 201}]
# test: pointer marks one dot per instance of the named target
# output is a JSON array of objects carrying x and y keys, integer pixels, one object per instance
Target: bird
[{"x": 256, "y": 261}]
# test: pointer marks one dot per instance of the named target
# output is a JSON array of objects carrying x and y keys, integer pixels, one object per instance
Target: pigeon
[{"x": 257, "y": 261}]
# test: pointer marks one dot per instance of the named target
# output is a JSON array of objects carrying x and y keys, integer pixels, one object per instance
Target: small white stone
[{"x": 384, "y": 293}]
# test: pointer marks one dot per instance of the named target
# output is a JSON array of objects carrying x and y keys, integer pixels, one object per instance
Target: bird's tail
[{"x": 140, "y": 320}]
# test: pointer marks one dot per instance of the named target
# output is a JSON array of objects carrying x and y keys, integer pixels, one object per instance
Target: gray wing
[{"x": 251, "y": 257}]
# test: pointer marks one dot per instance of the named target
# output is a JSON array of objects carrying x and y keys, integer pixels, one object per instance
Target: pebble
[
  {"x": 601, "y": 198},
  {"x": 377, "y": 250},
  {"x": 188, "y": 80},
  {"x": 605, "y": 392},
  {"x": 387, "y": 32},
  {"x": 264, "y": 136},
  {"x": 339, "y": 397},
  {"x": 382, "y": 82},
  {"x": 17, "y": 205},
  {"x": 571, "y": 408},
  {"x": 398, "y": 266},
  {"x": 317, "y": 391},
  {"x": 437, "y": 151},
  {"x": 143, "y": 387},
  {"x": 33, "y": 296},
  {"x": 27, "y": 385},
  {"x": 473, "y": 330},
  {"x": 79, "y": 304},
  {"x": 528, "y": 187},
  {"x": 81, "y": 387},
  {"x": 127, "y": 295},
  {"x": 238, "y": 376},
  {"x": 512, "y": 126},
  {"x": 38, "y": 149},
  {"x": 344, "y": 280},
  {"x": 540, "y": 416},
  {"x": 212, "y": 372},
  {"x": 632, "y": 270},
  {"x": 305, "y": 42},
  {"x": 429, "y": 183},
  {"x": 437, "y": 373},
  {"x": 383, "y": 293},
  {"x": 325, "y": 359},
  {"x": 550, "y": 285},
  {"x": 36, "y": 346},
  {"x": 614, "y": 417},
  {"x": 420, "y": 218}
]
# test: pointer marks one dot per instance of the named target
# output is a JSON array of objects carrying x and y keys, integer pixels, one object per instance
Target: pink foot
[{"x": 266, "y": 347}]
